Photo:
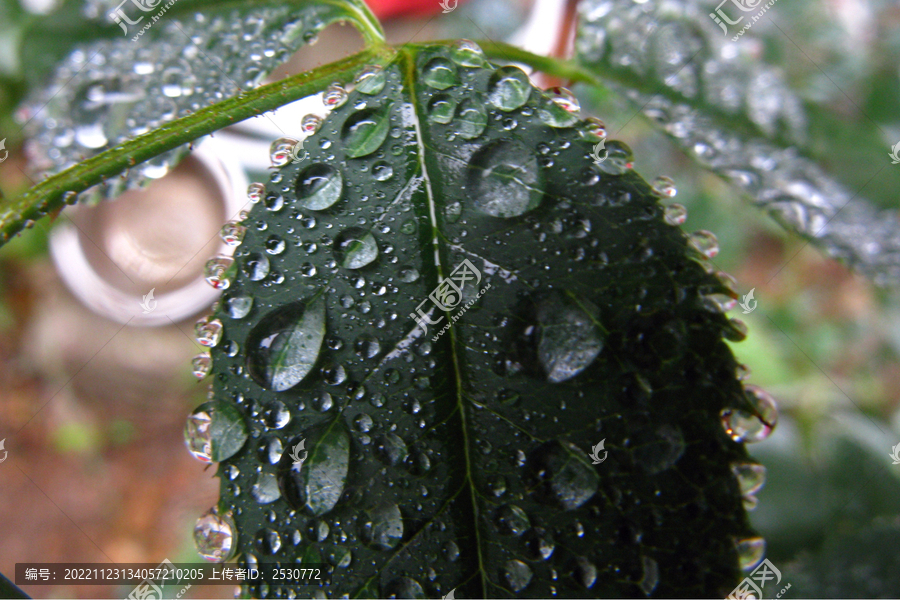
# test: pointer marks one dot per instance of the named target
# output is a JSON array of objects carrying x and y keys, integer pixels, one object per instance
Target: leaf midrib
[{"x": 409, "y": 73}]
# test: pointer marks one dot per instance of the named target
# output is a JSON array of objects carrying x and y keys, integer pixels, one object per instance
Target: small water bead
[
  {"x": 705, "y": 243},
  {"x": 255, "y": 192},
  {"x": 274, "y": 202},
  {"x": 201, "y": 365},
  {"x": 255, "y": 266},
  {"x": 275, "y": 245},
  {"x": 404, "y": 587},
  {"x": 232, "y": 472},
  {"x": 277, "y": 415},
  {"x": 619, "y": 158},
  {"x": 323, "y": 402},
  {"x": 509, "y": 88},
  {"x": 232, "y": 233},
  {"x": 267, "y": 541},
  {"x": 310, "y": 124},
  {"x": 718, "y": 302},
  {"x": 742, "y": 372},
  {"x": 208, "y": 332},
  {"x": 217, "y": 271},
  {"x": 409, "y": 274},
  {"x": 382, "y": 171},
  {"x": 675, "y": 214},
  {"x": 334, "y": 374},
  {"x": 371, "y": 80},
  {"x": 440, "y": 74},
  {"x": 265, "y": 489},
  {"x": 307, "y": 270},
  {"x": 736, "y": 330},
  {"x": 517, "y": 575},
  {"x": 750, "y": 552},
  {"x": 664, "y": 187},
  {"x": 319, "y": 186},
  {"x": 238, "y": 307},
  {"x": 466, "y": 53},
  {"x": 282, "y": 151},
  {"x": 214, "y": 536},
  {"x": 593, "y": 130},
  {"x": 367, "y": 346},
  {"x": 334, "y": 95},
  {"x": 750, "y": 477}
]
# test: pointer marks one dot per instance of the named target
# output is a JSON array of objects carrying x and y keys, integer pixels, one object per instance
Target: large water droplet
[
  {"x": 201, "y": 365},
  {"x": 750, "y": 477},
  {"x": 440, "y": 74},
  {"x": 383, "y": 527},
  {"x": 656, "y": 451},
  {"x": 391, "y": 449},
  {"x": 238, "y": 307},
  {"x": 675, "y": 214},
  {"x": 752, "y": 425},
  {"x": 218, "y": 271},
  {"x": 517, "y": 575},
  {"x": 650, "y": 578},
  {"x": 585, "y": 572},
  {"x": 567, "y": 338},
  {"x": 319, "y": 186},
  {"x": 559, "y": 108},
  {"x": 466, "y": 53},
  {"x": 282, "y": 151},
  {"x": 503, "y": 179},
  {"x": 214, "y": 536},
  {"x": 705, "y": 243},
  {"x": 215, "y": 431},
  {"x": 268, "y": 541},
  {"x": 208, "y": 332},
  {"x": 371, "y": 80},
  {"x": 265, "y": 489},
  {"x": 404, "y": 587},
  {"x": 511, "y": 520},
  {"x": 441, "y": 109},
  {"x": 255, "y": 266},
  {"x": 365, "y": 131},
  {"x": 355, "y": 248},
  {"x": 559, "y": 474},
  {"x": 750, "y": 552},
  {"x": 334, "y": 95},
  {"x": 316, "y": 483},
  {"x": 283, "y": 347},
  {"x": 232, "y": 233},
  {"x": 471, "y": 119},
  {"x": 509, "y": 88}
]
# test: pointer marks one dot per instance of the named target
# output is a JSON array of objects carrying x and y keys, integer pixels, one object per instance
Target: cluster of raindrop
[
  {"x": 106, "y": 92},
  {"x": 682, "y": 49}
]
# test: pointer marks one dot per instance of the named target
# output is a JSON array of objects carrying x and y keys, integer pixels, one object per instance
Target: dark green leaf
[{"x": 458, "y": 459}]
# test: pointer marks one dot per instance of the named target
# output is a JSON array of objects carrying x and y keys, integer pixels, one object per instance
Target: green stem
[
  {"x": 564, "y": 69},
  {"x": 49, "y": 194}
]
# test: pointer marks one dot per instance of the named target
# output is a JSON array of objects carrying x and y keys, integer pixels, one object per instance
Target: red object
[{"x": 387, "y": 9}]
